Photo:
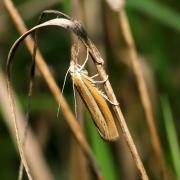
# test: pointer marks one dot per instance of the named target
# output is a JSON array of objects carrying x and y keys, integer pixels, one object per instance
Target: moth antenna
[
  {"x": 59, "y": 14},
  {"x": 62, "y": 90}
]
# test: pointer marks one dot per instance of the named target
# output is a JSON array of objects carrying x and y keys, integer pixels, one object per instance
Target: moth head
[{"x": 76, "y": 68}]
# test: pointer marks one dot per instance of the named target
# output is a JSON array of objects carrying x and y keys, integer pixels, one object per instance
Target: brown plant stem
[
  {"x": 142, "y": 91},
  {"x": 37, "y": 163},
  {"x": 123, "y": 125},
  {"x": 54, "y": 89},
  {"x": 76, "y": 154}
]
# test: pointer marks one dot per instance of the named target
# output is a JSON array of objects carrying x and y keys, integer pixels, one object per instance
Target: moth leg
[
  {"x": 113, "y": 103},
  {"x": 99, "y": 82},
  {"x": 102, "y": 93},
  {"x": 94, "y": 81}
]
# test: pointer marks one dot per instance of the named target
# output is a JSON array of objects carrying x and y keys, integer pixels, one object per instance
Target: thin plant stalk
[
  {"x": 37, "y": 163},
  {"x": 143, "y": 91}
]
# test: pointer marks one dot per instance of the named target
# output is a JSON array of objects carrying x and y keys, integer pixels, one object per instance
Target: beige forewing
[{"x": 97, "y": 106}]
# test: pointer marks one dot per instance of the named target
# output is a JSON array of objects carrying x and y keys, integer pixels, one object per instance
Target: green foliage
[
  {"x": 171, "y": 134},
  {"x": 102, "y": 151},
  {"x": 158, "y": 11}
]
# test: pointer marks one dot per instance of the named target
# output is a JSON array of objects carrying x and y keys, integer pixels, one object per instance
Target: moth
[{"x": 95, "y": 100}]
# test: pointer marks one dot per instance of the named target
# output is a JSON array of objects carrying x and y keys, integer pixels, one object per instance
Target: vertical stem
[
  {"x": 143, "y": 91},
  {"x": 123, "y": 126}
]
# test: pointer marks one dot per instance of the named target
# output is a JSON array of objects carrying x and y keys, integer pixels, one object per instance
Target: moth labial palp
[{"x": 95, "y": 101}]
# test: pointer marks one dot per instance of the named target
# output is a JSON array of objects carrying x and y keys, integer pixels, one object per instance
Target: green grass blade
[
  {"x": 102, "y": 152},
  {"x": 171, "y": 135},
  {"x": 158, "y": 11},
  {"x": 67, "y": 7}
]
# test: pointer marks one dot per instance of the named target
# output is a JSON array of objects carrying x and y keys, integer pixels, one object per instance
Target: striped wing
[{"x": 97, "y": 106}]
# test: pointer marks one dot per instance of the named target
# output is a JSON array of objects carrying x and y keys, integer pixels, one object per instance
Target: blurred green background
[{"x": 155, "y": 27}]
